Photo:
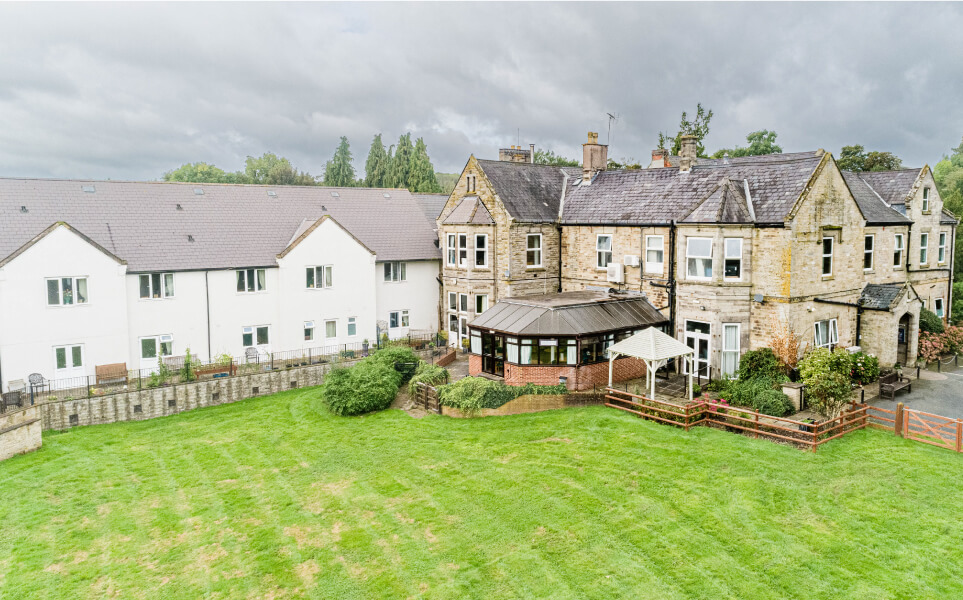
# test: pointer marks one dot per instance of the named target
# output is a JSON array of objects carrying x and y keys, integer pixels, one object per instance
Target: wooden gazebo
[{"x": 655, "y": 349}]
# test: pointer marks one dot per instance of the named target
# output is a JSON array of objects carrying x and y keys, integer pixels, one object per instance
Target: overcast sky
[{"x": 129, "y": 91}]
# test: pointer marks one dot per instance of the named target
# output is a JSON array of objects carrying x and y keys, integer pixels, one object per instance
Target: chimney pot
[
  {"x": 687, "y": 152},
  {"x": 658, "y": 158}
]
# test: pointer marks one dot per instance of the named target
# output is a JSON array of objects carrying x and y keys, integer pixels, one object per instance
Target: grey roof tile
[
  {"x": 726, "y": 204},
  {"x": 875, "y": 210},
  {"x": 892, "y": 186},
  {"x": 231, "y": 225},
  {"x": 469, "y": 210},
  {"x": 431, "y": 205},
  {"x": 948, "y": 218},
  {"x": 881, "y": 295},
  {"x": 530, "y": 193}
]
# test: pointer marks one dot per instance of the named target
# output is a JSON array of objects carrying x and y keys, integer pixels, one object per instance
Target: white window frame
[
  {"x": 462, "y": 303},
  {"x": 898, "y": 249},
  {"x": 737, "y": 350},
  {"x": 452, "y": 257},
  {"x": 483, "y": 252},
  {"x": 68, "y": 360},
  {"x": 938, "y": 307},
  {"x": 159, "y": 342},
  {"x": 309, "y": 331},
  {"x": 330, "y": 322},
  {"x": 926, "y": 200},
  {"x": 871, "y": 252},
  {"x": 832, "y": 334},
  {"x": 823, "y": 255},
  {"x": 655, "y": 267},
  {"x": 463, "y": 250},
  {"x": 602, "y": 255},
  {"x": 352, "y": 324},
  {"x": 74, "y": 295},
  {"x": 689, "y": 256},
  {"x": 164, "y": 286},
  {"x": 453, "y": 301},
  {"x": 322, "y": 277},
  {"x": 405, "y": 318},
  {"x": 941, "y": 249},
  {"x": 253, "y": 331},
  {"x": 395, "y": 271},
  {"x": 249, "y": 285},
  {"x": 924, "y": 249},
  {"x": 535, "y": 252},
  {"x": 726, "y": 258},
  {"x": 481, "y": 303}
]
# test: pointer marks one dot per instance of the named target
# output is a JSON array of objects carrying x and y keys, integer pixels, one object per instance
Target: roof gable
[
  {"x": 308, "y": 226},
  {"x": 471, "y": 210},
  {"x": 530, "y": 193},
  {"x": 46, "y": 232},
  {"x": 725, "y": 204},
  {"x": 875, "y": 210}
]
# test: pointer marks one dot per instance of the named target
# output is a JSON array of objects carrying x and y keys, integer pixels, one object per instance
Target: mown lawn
[{"x": 274, "y": 498}]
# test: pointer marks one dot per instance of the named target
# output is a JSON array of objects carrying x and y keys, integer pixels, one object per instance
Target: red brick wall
[{"x": 579, "y": 378}]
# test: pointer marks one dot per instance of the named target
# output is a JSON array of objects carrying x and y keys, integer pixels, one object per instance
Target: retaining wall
[
  {"x": 530, "y": 403},
  {"x": 20, "y": 431}
]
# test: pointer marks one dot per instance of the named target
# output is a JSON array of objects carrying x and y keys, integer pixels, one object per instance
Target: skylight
[
  {"x": 272, "y": 194},
  {"x": 335, "y": 194},
  {"x": 198, "y": 192},
  {"x": 88, "y": 189},
  {"x": 386, "y": 195}
]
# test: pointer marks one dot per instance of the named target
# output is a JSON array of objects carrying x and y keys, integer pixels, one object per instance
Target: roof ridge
[{"x": 197, "y": 183}]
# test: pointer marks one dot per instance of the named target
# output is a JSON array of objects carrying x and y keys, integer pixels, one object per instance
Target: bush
[
  {"x": 828, "y": 394},
  {"x": 428, "y": 374},
  {"x": 821, "y": 362},
  {"x": 772, "y": 402},
  {"x": 865, "y": 368},
  {"x": 472, "y": 394},
  {"x": 761, "y": 364},
  {"x": 929, "y": 322},
  {"x": 393, "y": 354},
  {"x": 366, "y": 387},
  {"x": 719, "y": 386}
]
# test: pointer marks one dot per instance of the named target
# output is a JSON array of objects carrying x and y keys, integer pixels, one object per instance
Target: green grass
[{"x": 274, "y": 498}]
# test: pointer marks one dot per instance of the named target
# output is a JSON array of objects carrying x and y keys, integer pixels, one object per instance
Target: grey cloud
[{"x": 130, "y": 90}]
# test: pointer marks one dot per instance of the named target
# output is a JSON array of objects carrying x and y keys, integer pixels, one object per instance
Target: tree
[
  {"x": 760, "y": 143},
  {"x": 421, "y": 178},
  {"x": 400, "y": 166},
  {"x": 699, "y": 127},
  {"x": 855, "y": 158},
  {"x": 376, "y": 167},
  {"x": 201, "y": 172},
  {"x": 548, "y": 157},
  {"x": 338, "y": 172},
  {"x": 271, "y": 169},
  {"x": 949, "y": 182}
]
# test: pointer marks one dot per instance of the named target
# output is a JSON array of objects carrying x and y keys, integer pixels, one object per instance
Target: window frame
[
  {"x": 688, "y": 257},
  {"x": 832, "y": 334},
  {"x": 462, "y": 250},
  {"x": 328, "y": 322},
  {"x": 395, "y": 271},
  {"x": 737, "y": 350},
  {"x": 252, "y": 283},
  {"x": 479, "y": 297},
  {"x": 939, "y": 307},
  {"x": 462, "y": 303},
  {"x": 255, "y": 331},
  {"x": 529, "y": 263},
  {"x": 309, "y": 331},
  {"x": 601, "y": 254},
  {"x": 322, "y": 278},
  {"x": 453, "y": 301},
  {"x": 352, "y": 324},
  {"x": 726, "y": 259},
  {"x": 898, "y": 249},
  {"x": 68, "y": 358},
  {"x": 74, "y": 291},
  {"x": 653, "y": 267},
  {"x": 924, "y": 249},
  {"x": 941, "y": 248},
  {"x": 452, "y": 258},
  {"x": 925, "y": 208},
  {"x": 831, "y": 255},
  {"x": 483, "y": 252},
  {"x": 871, "y": 252},
  {"x": 165, "y": 288}
]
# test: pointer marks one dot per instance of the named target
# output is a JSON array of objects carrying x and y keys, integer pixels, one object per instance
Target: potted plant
[
  {"x": 364, "y": 347},
  {"x": 464, "y": 346}
]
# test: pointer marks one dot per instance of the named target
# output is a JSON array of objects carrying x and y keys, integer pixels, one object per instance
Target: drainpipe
[
  {"x": 207, "y": 295},
  {"x": 672, "y": 295},
  {"x": 559, "y": 228}
]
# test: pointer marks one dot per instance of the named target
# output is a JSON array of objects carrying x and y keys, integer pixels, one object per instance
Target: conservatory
[{"x": 560, "y": 338}]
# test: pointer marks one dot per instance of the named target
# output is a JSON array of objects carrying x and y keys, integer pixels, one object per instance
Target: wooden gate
[
  {"x": 933, "y": 429},
  {"x": 427, "y": 397}
]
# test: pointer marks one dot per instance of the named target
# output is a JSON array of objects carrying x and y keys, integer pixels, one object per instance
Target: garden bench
[
  {"x": 12, "y": 399},
  {"x": 892, "y": 383},
  {"x": 112, "y": 373}
]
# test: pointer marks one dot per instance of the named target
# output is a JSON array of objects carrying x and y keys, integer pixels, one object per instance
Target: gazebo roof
[{"x": 650, "y": 344}]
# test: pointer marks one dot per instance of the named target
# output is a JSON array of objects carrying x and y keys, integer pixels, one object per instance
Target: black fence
[{"x": 177, "y": 369}]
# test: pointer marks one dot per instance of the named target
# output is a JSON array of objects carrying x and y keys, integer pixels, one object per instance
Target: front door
[
  {"x": 493, "y": 354},
  {"x": 902, "y": 340},
  {"x": 69, "y": 362},
  {"x": 697, "y": 337}
]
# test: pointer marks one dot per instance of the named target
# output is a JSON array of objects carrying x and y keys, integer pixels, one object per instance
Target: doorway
[
  {"x": 493, "y": 354},
  {"x": 902, "y": 339},
  {"x": 698, "y": 337}
]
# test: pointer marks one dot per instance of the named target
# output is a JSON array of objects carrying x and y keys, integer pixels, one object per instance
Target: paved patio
[{"x": 936, "y": 393}]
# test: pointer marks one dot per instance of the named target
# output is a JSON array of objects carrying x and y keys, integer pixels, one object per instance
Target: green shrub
[
  {"x": 696, "y": 390},
  {"x": 718, "y": 386},
  {"x": 821, "y": 362},
  {"x": 428, "y": 374},
  {"x": 472, "y": 394},
  {"x": 865, "y": 368},
  {"x": 395, "y": 354},
  {"x": 759, "y": 394},
  {"x": 366, "y": 387},
  {"x": 772, "y": 402},
  {"x": 929, "y": 322},
  {"x": 761, "y": 364},
  {"x": 828, "y": 394}
]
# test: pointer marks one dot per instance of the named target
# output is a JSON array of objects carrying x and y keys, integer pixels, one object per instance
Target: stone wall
[
  {"x": 20, "y": 431},
  {"x": 531, "y": 403},
  {"x": 583, "y": 377}
]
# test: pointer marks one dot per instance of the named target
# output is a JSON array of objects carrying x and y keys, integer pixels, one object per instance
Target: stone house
[{"x": 727, "y": 249}]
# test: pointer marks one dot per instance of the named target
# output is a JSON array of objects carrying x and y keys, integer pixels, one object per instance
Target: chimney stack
[
  {"x": 517, "y": 154},
  {"x": 531, "y": 151},
  {"x": 687, "y": 152},
  {"x": 658, "y": 158},
  {"x": 595, "y": 157}
]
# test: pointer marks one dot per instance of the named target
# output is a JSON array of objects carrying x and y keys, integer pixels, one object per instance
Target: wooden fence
[
  {"x": 801, "y": 434},
  {"x": 919, "y": 426},
  {"x": 427, "y": 397}
]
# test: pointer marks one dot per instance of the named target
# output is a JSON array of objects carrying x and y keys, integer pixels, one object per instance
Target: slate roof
[
  {"x": 470, "y": 210},
  {"x": 651, "y": 196},
  {"x": 570, "y": 314},
  {"x": 892, "y": 186},
  {"x": 881, "y": 295},
  {"x": 875, "y": 210},
  {"x": 431, "y": 205},
  {"x": 231, "y": 225},
  {"x": 726, "y": 204},
  {"x": 530, "y": 193},
  {"x": 948, "y": 218}
]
